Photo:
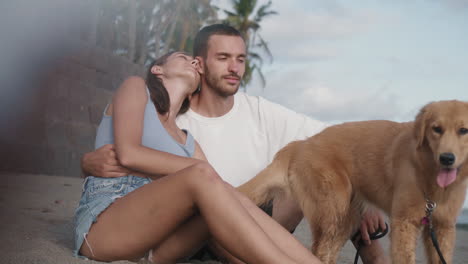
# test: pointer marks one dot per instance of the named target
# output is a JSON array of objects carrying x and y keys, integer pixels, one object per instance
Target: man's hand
[
  {"x": 102, "y": 163},
  {"x": 372, "y": 220}
]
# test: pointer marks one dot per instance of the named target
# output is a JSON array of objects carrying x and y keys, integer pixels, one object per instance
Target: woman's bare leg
[
  {"x": 282, "y": 237},
  {"x": 192, "y": 234},
  {"x": 147, "y": 216}
]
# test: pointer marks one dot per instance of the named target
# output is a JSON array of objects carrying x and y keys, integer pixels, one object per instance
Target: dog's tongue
[{"x": 446, "y": 177}]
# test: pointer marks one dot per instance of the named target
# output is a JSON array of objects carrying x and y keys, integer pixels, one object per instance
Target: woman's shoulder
[
  {"x": 132, "y": 88},
  {"x": 133, "y": 84},
  {"x": 134, "y": 81}
]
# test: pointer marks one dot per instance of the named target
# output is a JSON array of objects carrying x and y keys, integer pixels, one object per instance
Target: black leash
[
  {"x": 427, "y": 220},
  {"x": 436, "y": 245},
  {"x": 374, "y": 236}
]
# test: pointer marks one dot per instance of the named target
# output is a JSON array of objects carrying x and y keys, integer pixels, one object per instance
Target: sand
[{"x": 36, "y": 222}]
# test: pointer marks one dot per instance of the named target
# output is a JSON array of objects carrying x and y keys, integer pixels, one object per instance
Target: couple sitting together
[{"x": 165, "y": 193}]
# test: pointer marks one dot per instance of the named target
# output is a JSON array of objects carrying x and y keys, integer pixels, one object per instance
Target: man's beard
[{"x": 216, "y": 84}]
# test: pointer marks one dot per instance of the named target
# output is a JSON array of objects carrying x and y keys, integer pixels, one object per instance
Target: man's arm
[{"x": 102, "y": 163}]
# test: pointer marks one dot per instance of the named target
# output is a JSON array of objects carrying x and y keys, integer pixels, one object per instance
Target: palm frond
[
  {"x": 255, "y": 57},
  {"x": 264, "y": 45},
  {"x": 263, "y": 12},
  {"x": 229, "y": 13},
  {"x": 262, "y": 77}
]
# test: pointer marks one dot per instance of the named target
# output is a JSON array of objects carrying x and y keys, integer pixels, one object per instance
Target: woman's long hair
[{"x": 158, "y": 92}]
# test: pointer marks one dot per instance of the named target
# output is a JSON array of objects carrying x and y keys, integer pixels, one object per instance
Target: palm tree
[{"x": 247, "y": 22}]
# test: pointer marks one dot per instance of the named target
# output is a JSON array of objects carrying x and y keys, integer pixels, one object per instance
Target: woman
[{"x": 127, "y": 217}]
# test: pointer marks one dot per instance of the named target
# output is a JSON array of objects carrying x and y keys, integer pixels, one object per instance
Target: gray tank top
[{"x": 154, "y": 134}]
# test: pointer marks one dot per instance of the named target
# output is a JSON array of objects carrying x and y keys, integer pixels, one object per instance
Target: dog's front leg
[
  {"x": 446, "y": 240},
  {"x": 403, "y": 240}
]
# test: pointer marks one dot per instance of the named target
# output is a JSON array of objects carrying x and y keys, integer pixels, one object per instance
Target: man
[{"x": 238, "y": 133}]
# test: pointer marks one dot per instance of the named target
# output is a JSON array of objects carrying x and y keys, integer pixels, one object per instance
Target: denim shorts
[{"x": 97, "y": 195}]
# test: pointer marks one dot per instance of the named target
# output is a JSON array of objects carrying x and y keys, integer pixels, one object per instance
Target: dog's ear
[{"x": 420, "y": 125}]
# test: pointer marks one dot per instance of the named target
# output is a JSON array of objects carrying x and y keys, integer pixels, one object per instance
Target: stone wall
[{"x": 57, "y": 121}]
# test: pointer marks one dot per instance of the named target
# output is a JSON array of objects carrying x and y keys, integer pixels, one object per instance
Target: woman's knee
[
  {"x": 202, "y": 176},
  {"x": 204, "y": 172}
]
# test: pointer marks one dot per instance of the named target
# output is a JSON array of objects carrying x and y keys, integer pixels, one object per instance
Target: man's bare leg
[
  {"x": 373, "y": 253},
  {"x": 287, "y": 213}
]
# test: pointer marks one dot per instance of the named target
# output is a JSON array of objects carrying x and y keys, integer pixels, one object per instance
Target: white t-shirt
[{"x": 244, "y": 141}]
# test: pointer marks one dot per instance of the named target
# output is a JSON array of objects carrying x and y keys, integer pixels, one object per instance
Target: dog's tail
[{"x": 272, "y": 180}]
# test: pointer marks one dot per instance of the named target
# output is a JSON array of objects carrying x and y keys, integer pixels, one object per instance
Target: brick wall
[{"x": 59, "y": 119}]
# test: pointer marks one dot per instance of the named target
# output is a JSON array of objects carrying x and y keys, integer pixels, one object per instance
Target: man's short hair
[{"x": 200, "y": 44}]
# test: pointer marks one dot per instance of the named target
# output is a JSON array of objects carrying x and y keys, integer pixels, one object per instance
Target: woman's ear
[
  {"x": 201, "y": 64},
  {"x": 156, "y": 69}
]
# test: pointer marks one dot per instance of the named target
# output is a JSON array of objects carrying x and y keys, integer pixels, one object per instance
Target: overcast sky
[{"x": 356, "y": 60}]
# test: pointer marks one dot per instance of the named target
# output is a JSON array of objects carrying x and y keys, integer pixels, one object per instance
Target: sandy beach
[{"x": 36, "y": 222}]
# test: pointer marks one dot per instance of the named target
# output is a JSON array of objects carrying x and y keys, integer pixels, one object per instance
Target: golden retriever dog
[{"x": 398, "y": 167}]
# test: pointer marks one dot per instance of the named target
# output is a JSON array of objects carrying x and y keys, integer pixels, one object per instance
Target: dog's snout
[{"x": 447, "y": 158}]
